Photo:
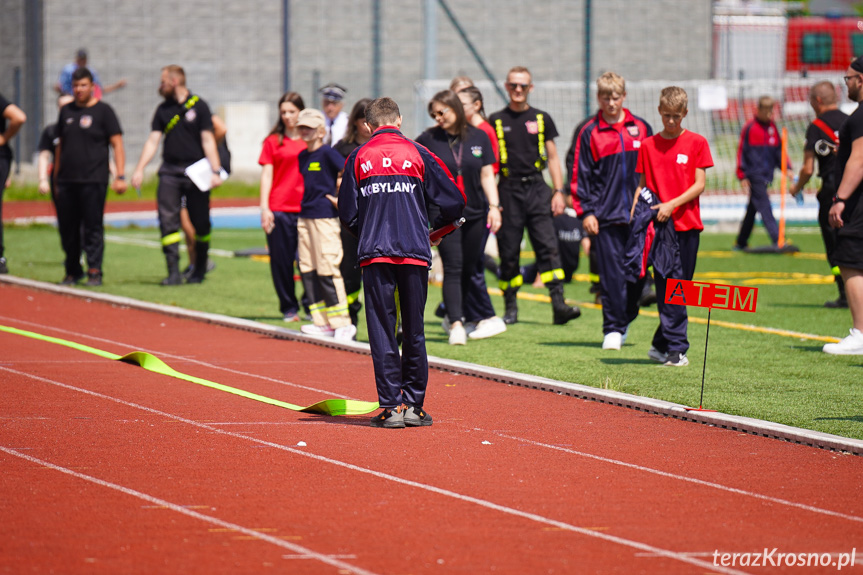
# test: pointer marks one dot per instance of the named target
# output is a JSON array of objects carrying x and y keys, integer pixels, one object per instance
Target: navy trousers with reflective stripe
[{"x": 390, "y": 288}]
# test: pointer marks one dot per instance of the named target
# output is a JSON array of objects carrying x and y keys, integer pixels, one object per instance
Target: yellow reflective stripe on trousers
[
  {"x": 835, "y": 270},
  {"x": 353, "y": 297},
  {"x": 171, "y": 239},
  {"x": 515, "y": 282},
  {"x": 594, "y": 278},
  {"x": 319, "y": 306},
  {"x": 204, "y": 238},
  {"x": 338, "y": 309},
  {"x": 551, "y": 275},
  {"x": 501, "y": 146}
]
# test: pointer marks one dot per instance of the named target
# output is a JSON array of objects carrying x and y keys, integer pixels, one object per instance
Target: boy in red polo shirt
[{"x": 673, "y": 165}]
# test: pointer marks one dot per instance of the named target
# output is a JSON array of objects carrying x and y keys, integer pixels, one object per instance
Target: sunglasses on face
[
  {"x": 438, "y": 114},
  {"x": 846, "y": 78},
  {"x": 514, "y": 86}
]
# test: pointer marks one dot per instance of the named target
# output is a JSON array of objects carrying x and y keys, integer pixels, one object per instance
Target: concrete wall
[{"x": 232, "y": 50}]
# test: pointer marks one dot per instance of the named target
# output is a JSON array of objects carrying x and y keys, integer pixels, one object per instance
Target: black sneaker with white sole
[{"x": 677, "y": 359}]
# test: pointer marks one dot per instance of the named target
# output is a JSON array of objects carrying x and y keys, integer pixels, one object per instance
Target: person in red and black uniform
[
  {"x": 602, "y": 186},
  {"x": 187, "y": 124},
  {"x": 822, "y": 135},
  {"x": 386, "y": 186},
  {"x": 86, "y": 128},
  {"x": 526, "y": 146},
  {"x": 11, "y": 120},
  {"x": 758, "y": 155}
]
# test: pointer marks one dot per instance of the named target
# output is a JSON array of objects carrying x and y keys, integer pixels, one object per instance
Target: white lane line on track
[
  {"x": 299, "y": 549},
  {"x": 165, "y": 354},
  {"x": 685, "y": 478},
  {"x": 112, "y": 239},
  {"x": 429, "y": 488},
  {"x": 548, "y": 446}
]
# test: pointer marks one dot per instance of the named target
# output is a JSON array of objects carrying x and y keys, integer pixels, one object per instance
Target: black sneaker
[
  {"x": 3, "y": 268},
  {"x": 173, "y": 279},
  {"x": 71, "y": 280},
  {"x": 392, "y": 419},
  {"x": 416, "y": 417},
  {"x": 187, "y": 273},
  {"x": 677, "y": 359},
  {"x": 840, "y": 303},
  {"x": 94, "y": 278},
  {"x": 194, "y": 279},
  {"x": 440, "y": 310}
]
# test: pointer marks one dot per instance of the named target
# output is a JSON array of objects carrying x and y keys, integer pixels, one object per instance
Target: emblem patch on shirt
[
  {"x": 314, "y": 166},
  {"x": 633, "y": 131},
  {"x": 682, "y": 159},
  {"x": 532, "y": 127},
  {"x": 86, "y": 121},
  {"x": 191, "y": 115},
  {"x": 476, "y": 151},
  {"x": 636, "y": 144}
]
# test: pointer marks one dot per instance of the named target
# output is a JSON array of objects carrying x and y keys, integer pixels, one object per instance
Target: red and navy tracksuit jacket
[
  {"x": 604, "y": 178},
  {"x": 384, "y": 193},
  {"x": 759, "y": 152}
]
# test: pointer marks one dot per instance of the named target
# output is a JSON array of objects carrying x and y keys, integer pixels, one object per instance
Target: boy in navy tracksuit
[
  {"x": 672, "y": 164},
  {"x": 759, "y": 153},
  {"x": 386, "y": 186},
  {"x": 603, "y": 182}
]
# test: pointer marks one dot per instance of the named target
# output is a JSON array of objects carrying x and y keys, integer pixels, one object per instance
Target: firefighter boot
[
  {"x": 510, "y": 300},
  {"x": 562, "y": 312},
  {"x": 172, "y": 258}
]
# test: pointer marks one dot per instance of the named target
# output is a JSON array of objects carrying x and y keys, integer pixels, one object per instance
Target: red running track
[
  {"x": 108, "y": 468},
  {"x": 36, "y": 208}
]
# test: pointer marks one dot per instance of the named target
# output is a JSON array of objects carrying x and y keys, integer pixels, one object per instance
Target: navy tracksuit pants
[
  {"x": 391, "y": 289},
  {"x": 670, "y": 336},
  {"x": 759, "y": 202},
  {"x": 477, "y": 303},
  {"x": 282, "y": 245},
  {"x": 619, "y": 297}
]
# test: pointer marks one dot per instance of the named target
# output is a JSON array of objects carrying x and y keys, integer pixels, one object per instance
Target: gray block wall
[{"x": 232, "y": 51}]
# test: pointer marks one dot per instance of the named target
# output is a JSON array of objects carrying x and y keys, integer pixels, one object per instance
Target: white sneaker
[
  {"x": 457, "y": 335},
  {"x": 446, "y": 325},
  {"x": 656, "y": 355},
  {"x": 488, "y": 327},
  {"x": 312, "y": 329},
  {"x": 346, "y": 333},
  {"x": 851, "y": 345},
  {"x": 612, "y": 340},
  {"x": 676, "y": 360}
]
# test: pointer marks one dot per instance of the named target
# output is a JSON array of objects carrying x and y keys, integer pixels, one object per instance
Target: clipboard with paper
[{"x": 200, "y": 173}]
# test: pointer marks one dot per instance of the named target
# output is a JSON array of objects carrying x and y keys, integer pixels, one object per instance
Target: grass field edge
[{"x": 738, "y": 423}]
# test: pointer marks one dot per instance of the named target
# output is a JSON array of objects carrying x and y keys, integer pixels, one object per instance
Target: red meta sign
[{"x": 716, "y": 296}]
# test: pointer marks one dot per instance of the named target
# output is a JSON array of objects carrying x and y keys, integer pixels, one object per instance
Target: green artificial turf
[{"x": 763, "y": 375}]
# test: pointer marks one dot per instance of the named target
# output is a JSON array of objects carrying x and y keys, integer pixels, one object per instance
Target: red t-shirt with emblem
[
  {"x": 286, "y": 194},
  {"x": 669, "y": 168}
]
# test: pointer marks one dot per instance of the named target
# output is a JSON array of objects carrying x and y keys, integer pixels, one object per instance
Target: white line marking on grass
[
  {"x": 429, "y": 488},
  {"x": 183, "y": 509},
  {"x": 165, "y": 354},
  {"x": 684, "y": 478}
]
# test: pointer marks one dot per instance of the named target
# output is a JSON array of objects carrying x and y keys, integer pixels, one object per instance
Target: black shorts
[{"x": 849, "y": 252}]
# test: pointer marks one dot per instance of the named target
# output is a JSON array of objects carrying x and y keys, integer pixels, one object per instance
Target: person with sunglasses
[
  {"x": 526, "y": 145},
  {"x": 468, "y": 155}
]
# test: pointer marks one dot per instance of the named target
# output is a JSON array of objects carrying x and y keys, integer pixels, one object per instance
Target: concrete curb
[{"x": 723, "y": 420}]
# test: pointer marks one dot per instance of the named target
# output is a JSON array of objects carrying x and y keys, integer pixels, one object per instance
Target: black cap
[
  {"x": 333, "y": 92},
  {"x": 858, "y": 64}
]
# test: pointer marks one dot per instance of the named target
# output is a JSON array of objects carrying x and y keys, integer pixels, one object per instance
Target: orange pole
[{"x": 783, "y": 187}]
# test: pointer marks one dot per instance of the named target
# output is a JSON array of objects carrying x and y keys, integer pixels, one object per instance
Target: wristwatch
[{"x": 837, "y": 199}]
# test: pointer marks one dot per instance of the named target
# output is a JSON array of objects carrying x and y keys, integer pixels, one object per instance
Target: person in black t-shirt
[
  {"x": 186, "y": 122},
  {"x": 526, "y": 146},
  {"x": 846, "y": 215},
  {"x": 821, "y": 139},
  {"x": 11, "y": 120},
  {"x": 467, "y": 153},
  {"x": 47, "y": 148},
  {"x": 85, "y": 128}
]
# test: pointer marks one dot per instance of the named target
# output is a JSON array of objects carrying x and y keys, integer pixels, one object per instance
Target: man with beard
[
  {"x": 186, "y": 123},
  {"x": 846, "y": 215}
]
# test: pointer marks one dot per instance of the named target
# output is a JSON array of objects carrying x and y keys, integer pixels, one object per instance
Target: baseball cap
[
  {"x": 310, "y": 118},
  {"x": 333, "y": 92},
  {"x": 81, "y": 54}
]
